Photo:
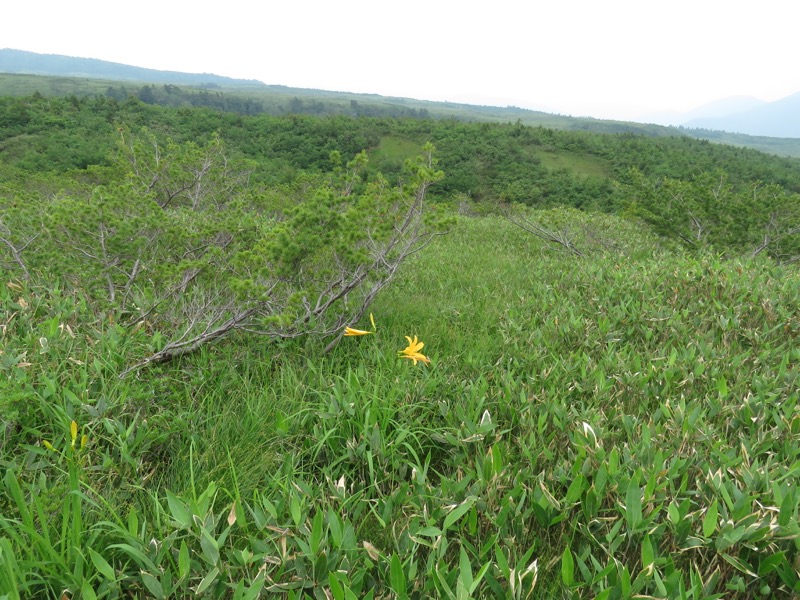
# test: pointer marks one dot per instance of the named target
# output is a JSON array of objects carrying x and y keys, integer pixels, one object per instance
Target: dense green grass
[
  {"x": 392, "y": 152},
  {"x": 581, "y": 164},
  {"x": 625, "y": 423}
]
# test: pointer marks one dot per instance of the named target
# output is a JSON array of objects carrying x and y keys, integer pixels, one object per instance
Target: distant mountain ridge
[
  {"x": 32, "y": 63},
  {"x": 780, "y": 118},
  {"x": 773, "y": 128},
  {"x": 717, "y": 108}
]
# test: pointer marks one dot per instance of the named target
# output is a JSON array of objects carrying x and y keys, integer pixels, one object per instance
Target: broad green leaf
[
  {"x": 648, "y": 554},
  {"x": 102, "y": 565},
  {"x": 501, "y": 561},
  {"x": 210, "y": 547},
  {"x": 87, "y": 591},
  {"x": 476, "y": 581},
  {"x": 254, "y": 591},
  {"x": 137, "y": 555},
  {"x": 179, "y": 510},
  {"x": 710, "y": 519},
  {"x": 294, "y": 508},
  {"x": 576, "y": 489},
  {"x": 662, "y": 590},
  {"x": 465, "y": 570},
  {"x": 673, "y": 513},
  {"x": 787, "y": 510},
  {"x": 397, "y": 576},
  {"x": 316, "y": 533},
  {"x": 184, "y": 562},
  {"x": 722, "y": 387},
  {"x": 462, "y": 593},
  {"x": 208, "y": 580},
  {"x": 335, "y": 527},
  {"x": 624, "y": 579},
  {"x": 567, "y": 568},
  {"x": 429, "y": 531},
  {"x": 633, "y": 504},
  {"x": 443, "y": 583},
  {"x": 133, "y": 522},
  {"x": 152, "y": 584},
  {"x": 458, "y": 512},
  {"x": 336, "y": 588},
  {"x": 739, "y": 564},
  {"x": 770, "y": 563}
]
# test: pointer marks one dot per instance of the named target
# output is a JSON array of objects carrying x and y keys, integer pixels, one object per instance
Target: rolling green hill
[
  {"x": 24, "y": 73},
  {"x": 597, "y": 403}
]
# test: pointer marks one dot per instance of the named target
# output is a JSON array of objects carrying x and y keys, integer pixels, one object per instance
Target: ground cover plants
[
  {"x": 507, "y": 418},
  {"x": 612, "y": 427}
]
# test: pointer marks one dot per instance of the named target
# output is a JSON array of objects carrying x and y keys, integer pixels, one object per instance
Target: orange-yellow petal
[
  {"x": 349, "y": 331},
  {"x": 416, "y": 357},
  {"x": 413, "y": 345}
]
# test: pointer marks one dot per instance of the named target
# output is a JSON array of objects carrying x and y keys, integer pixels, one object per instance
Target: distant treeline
[
  {"x": 678, "y": 184},
  {"x": 181, "y": 97}
]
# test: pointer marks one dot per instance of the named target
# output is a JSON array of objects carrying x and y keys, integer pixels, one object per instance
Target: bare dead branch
[
  {"x": 561, "y": 238},
  {"x": 16, "y": 252}
]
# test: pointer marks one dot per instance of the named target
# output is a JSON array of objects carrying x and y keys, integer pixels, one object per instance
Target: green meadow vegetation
[
  {"x": 211, "y": 382},
  {"x": 253, "y": 98}
]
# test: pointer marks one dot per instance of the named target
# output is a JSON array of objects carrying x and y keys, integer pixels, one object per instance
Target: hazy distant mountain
[
  {"x": 718, "y": 108},
  {"x": 780, "y": 118},
  {"x": 20, "y": 61},
  {"x": 758, "y": 123}
]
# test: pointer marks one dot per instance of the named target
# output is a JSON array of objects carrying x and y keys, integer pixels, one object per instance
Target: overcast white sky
[{"x": 601, "y": 58}]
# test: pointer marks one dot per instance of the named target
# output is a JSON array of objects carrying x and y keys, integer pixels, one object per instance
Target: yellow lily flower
[
  {"x": 416, "y": 357},
  {"x": 349, "y": 331},
  {"x": 412, "y": 351},
  {"x": 413, "y": 346},
  {"x": 73, "y": 430}
]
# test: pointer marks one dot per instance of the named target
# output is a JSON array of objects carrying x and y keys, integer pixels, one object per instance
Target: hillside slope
[
  {"x": 24, "y": 73},
  {"x": 22, "y": 62}
]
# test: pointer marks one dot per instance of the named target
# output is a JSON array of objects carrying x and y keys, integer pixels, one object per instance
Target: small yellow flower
[
  {"x": 84, "y": 439},
  {"x": 416, "y": 357},
  {"x": 412, "y": 351},
  {"x": 414, "y": 346},
  {"x": 48, "y": 445},
  {"x": 350, "y": 332},
  {"x": 73, "y": 431}
]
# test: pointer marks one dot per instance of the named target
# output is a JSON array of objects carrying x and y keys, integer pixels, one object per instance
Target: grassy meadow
[{"x": 620, "y": 425}]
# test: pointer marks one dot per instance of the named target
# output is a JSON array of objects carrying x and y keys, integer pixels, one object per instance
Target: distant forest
[
  {"x": 210, "y": 96},
  {"x": 717, "y": 194}
]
